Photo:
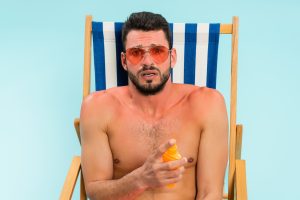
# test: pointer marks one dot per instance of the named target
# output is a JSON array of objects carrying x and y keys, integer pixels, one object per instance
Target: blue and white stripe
[{"x": 196, "y": 46}]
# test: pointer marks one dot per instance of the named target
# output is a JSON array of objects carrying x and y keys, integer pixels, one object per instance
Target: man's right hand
[{"x": 156, "y": 173}]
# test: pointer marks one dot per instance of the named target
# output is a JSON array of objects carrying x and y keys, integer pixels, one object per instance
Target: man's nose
[{"x": 147, "y": 59}]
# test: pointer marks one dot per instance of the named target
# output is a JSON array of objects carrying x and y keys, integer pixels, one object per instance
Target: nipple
[
  {"x": 190, "y": 160},
  {"x": 116, "y": 161}
]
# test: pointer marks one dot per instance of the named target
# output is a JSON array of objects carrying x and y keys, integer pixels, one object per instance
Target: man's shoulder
[
  {"x": 111, "y": 94},
  {"x": 205, "y": 93},
  {"x": 205, "y": 104},
  {"x": 104, "y": 101},
  {"x": 200, "y": 97},
  {"x": 196, "y": 92}
]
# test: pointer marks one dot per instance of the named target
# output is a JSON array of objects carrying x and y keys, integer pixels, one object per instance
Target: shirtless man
[{"x": 126, "y": 130}]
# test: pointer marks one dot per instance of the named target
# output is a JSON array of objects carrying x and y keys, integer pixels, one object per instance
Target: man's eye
[
  {"x": 135, "y": 52},
  {"x": 156, "y": 50}
]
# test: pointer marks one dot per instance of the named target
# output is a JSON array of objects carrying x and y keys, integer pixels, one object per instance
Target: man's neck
[{"x": 153, "y": 106}]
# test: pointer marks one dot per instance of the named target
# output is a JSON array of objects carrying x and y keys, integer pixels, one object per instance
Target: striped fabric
[{"x": 197, "y": 53}]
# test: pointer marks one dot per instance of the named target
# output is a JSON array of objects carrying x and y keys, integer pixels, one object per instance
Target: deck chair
[{"x": 197, "y": 47}]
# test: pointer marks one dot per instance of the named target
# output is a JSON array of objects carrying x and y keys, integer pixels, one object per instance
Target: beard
[{"x": 150, "y": 88}]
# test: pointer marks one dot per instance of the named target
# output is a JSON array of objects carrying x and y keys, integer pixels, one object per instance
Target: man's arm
[
  {"x": 213, "y": 148},
  {"x": 97, "y": 162},
  {"x": 96, "y": 155}
]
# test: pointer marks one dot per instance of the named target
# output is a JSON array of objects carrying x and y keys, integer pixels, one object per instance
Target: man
[{"x": 126, "y": 130}]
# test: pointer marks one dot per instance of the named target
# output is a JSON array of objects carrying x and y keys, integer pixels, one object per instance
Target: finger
[
  {"x": 171, "y": 180},
  {"x": 173, "y": 173},
  {"x": 174, "y": 164},
  {"x": 163, "y": 148}
]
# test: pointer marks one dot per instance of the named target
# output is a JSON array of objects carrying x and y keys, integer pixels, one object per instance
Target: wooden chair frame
[{"x": 237, "y": 188}]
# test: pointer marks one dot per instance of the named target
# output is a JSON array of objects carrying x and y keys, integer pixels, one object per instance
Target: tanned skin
[{"x": 124, "y": 134}]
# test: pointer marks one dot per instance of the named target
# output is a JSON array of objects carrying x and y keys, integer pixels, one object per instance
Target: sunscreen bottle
[{"x": 171, "y": 154}]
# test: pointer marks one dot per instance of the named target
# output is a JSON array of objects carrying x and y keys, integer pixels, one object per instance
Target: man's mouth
[{"x": 148, "y": 73}]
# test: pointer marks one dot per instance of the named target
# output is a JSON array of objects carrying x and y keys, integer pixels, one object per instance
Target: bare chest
[{"x": 133, "y": 139}]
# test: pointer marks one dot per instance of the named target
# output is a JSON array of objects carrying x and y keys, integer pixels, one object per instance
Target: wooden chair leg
[
  {"x": 241, "y": 185},
  {"x": 71, "y": 179}
]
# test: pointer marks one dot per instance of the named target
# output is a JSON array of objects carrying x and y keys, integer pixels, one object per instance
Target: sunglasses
[{"x": 159, "y": 54}]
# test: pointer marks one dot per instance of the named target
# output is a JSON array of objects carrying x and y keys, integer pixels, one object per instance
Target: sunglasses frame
[{"x": 148, "y": 51}]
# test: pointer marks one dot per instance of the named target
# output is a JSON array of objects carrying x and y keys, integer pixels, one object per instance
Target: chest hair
[{"x": 153, "y": 134}]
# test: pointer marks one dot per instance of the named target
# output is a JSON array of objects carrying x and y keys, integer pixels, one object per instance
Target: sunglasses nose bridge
[{"x": 147, "y": 58}]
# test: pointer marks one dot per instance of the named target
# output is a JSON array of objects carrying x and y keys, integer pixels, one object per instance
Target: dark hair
[{"x": 146, "y": 21}]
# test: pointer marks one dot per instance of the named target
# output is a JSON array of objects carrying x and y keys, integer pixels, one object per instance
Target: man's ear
[
  {"x": 124, "y": 61},
  {"x": 173, "y": 57}
]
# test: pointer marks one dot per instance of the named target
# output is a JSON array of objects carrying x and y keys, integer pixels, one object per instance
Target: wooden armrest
[
  {"x": 77, "y": 128},
  {"x": 239, "y": 137},
  {"x": 71, "y": 179},
  {"x": 241, "y": 185}
]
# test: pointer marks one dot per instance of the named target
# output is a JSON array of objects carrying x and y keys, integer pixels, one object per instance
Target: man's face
[{"x": 148, "y": 60}]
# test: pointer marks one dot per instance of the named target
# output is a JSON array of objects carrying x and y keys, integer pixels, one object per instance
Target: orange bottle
[{"x": 171, "y": 154}]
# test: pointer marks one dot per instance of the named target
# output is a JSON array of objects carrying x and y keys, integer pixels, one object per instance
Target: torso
[{"x": 132, "y": 138}]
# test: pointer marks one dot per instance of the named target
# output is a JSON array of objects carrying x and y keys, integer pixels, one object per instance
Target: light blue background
[{"x": 41, "y": 59}]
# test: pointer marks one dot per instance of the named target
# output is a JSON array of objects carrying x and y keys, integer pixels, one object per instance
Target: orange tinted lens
[
  {"x": 135, "y": 55},
  {"x": 159, "y": 53}
]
